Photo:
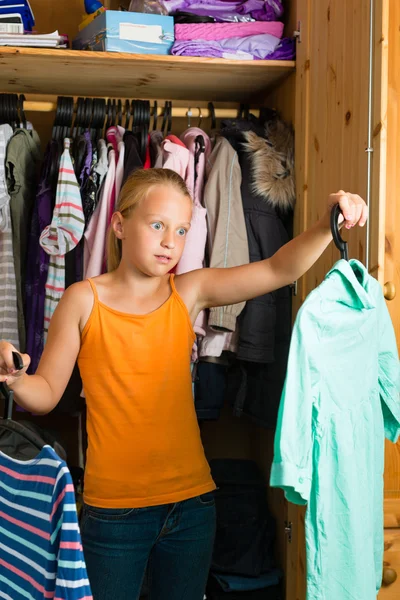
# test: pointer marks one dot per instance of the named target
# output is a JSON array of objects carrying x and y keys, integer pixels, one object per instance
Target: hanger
[
  {"x": 244, "y": 112},
  {"x": 212, "y": 115},
  {"x": 169, "y": 123},
  {"x": 127, "y": 113},
  {"x": 119, "y": 112},
  {"x": 56, "y": 137},
  {"x": 108, "y": 115},
  {"x": 22, "y": 116},
  {"x": 80, "y": 104},
  {"x": 155, "y": 116},
  {"x": 22, "y": 440},
  {"x": 339, "y": 241},
  {"x": 145, "y": 128},
  {"x": 165, "y": 118},
  {"x": 96, "y": 124}
]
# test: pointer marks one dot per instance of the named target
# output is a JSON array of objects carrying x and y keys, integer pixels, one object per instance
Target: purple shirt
[
  {"x": 229, "y": 10},
  {"x": 38, "y": 260},
  {"x": 252, "y": 47}
]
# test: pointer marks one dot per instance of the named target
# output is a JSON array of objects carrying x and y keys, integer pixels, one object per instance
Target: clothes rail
[{"x": 178, "y": 112}]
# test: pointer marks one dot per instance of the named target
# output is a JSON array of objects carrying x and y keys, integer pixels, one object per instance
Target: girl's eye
[
  {"x": 182, "y": 231},
  {"x": 157, "y": 226}
]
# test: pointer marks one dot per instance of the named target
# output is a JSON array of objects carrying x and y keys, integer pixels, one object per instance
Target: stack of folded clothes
[{"x": 233, "y": 29}]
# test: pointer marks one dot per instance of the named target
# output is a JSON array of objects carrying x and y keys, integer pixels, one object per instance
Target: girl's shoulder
[{"x": 80, "y": 298}]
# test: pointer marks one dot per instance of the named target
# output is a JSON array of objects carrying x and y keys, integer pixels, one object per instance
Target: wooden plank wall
[
  {"x": 392, "y": 222},
  {"x": 336, "y": 136}
]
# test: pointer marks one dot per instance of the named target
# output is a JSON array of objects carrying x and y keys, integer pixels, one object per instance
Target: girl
[{"x": 148, "y": 490}]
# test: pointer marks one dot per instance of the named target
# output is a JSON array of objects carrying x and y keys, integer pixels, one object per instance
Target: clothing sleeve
[
  {"x": 226, "y": 225},
  {"x": 292, "y": 465},
  {"x": 258, "y": 323},
  {"x": 388, "y": 373},
  {"x": 71, "y": 579}
]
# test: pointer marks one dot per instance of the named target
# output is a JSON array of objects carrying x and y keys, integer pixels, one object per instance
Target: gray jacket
[{"x": 227, "y": 236}]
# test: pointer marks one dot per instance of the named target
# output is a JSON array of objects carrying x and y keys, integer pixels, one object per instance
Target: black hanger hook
[
  {"x": 337, "y": 238},
  {"x": 212, "y": 115}
]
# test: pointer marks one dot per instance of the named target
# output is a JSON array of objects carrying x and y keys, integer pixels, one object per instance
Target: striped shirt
[
  {"x": 8, "y": 288},
  {"x": 63, "y": 234},
  {"x": 40, "y": 544}
]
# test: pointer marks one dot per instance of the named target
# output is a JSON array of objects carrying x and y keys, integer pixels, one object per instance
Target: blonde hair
[{"x": 136, "y": 189}]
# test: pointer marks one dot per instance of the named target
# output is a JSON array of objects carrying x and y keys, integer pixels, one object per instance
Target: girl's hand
[
  {"x": 352, "y": 206},
  {"x": 8, "y": 372}
]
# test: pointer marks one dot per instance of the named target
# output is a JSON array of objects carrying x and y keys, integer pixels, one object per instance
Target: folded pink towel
[{"x": 221, "y": 31}]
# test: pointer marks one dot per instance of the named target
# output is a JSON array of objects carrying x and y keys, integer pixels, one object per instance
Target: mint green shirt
[{"x": 340, "y": 400}]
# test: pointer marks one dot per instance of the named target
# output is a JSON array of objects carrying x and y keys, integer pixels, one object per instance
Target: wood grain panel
[
  {"x": 331, "y": 139},
  {"x": 391, "y": 561},
  {"x": 64, "y": 15},
  {"x": 338, "y": 116},
  {"x": 389, "y": 229},
  {"x": 72, "y": 72}
]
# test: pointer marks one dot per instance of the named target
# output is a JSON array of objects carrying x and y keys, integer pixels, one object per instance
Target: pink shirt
[{"x": 96, "y": 232}]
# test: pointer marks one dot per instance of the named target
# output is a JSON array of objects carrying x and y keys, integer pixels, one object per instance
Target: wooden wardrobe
[{"x": 347, "y": 135}]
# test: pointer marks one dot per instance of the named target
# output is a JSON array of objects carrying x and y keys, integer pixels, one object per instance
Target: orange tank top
[{"x": 144, "y": 446}]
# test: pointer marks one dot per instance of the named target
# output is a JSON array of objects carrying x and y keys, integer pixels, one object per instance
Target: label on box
[{"x": 141, "y": 33}]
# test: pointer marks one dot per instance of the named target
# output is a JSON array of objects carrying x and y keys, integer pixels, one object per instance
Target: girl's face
[{"x": 153, "y": 236}]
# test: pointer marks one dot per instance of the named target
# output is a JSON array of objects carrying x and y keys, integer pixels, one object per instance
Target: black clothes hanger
[
  {"x": 80, "y": 103},
  {"x": 56, "y": 136},
  {"x": 244, "y": 112},
  {"x": 109, "y": 116},
  {"x": 113, "y": 113},
  {"x": 6, "y": 392},
  {"x": 9, "y": 109},
  {"x": 212, "y": 115},
  {"x": 22, "y": 116},
  {"x": 119, "y": 112},
  {"x": 145, "y": 129},
  {"x": 155, "y": 116},
  {"x": 22, "y": 440},
  {"x": 169, "y": 125},
  {"x": 199, "y": 148},
  {"x": 337, "y": 238},
  {"x": 165, "y": 118},
  {"x": 127, "y": 113}
]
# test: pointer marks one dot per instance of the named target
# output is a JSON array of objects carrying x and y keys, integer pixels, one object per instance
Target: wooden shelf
[{"x": 72, "y": 72}]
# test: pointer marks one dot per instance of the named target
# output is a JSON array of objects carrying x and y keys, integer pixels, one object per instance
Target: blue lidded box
[{"x": 122, "y": 31}]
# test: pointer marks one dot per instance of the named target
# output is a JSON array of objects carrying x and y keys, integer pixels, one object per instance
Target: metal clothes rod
[{"x": 182, "y": 112}]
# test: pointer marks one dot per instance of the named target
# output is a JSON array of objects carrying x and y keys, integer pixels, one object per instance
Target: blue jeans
[{"x": 173, "y": 541}]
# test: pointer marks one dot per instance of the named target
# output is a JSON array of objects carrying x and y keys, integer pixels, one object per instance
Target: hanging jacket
[
  {"x": 264, "y": 203},
  {"x": 193, "y": 253},
  {"x": 156, "y": 153},
  {"x": 175, "y": 156},
  {"x": 115, "y": 136},
  {"x": 8, "y": 289},
  {"x": 132, "y": 160},
  {"x": 23, "y": 154},
  {"x": 256, "y": 379},
  {"x": 227, "y": 240},
  {"x": 95, "y": 234},
  {"x": 63, "y": 234},
  {"x": 227, "y": 235},
  {"x": 38, "y": 260}
]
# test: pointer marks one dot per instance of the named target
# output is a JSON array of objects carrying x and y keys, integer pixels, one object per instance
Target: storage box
[{"x": 121, "y": 31}]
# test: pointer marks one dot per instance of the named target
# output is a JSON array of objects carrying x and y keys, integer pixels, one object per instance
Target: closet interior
[{"x": 56, "y": 87}]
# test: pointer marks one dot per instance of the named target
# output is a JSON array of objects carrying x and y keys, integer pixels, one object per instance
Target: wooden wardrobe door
[
  {"x": 331, "y": 124},
  {"x": 388, "y": 235}
]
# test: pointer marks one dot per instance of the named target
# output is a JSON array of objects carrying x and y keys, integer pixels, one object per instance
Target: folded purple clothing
[
  {"x": 252, "y": 47},
  {"x": 225, "y": 10},
  {"x": 220, "y": 31}
]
